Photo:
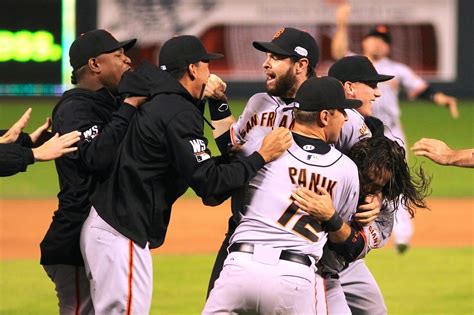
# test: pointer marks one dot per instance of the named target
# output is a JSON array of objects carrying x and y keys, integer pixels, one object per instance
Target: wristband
[
  {"x": 333, "y": 224},
  {"x": 428, "y": 94},
  {"x": 218, "y": 109}
]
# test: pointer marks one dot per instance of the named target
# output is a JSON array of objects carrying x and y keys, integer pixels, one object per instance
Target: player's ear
[
  {"x": 192, "y": 71},
  {"x": 93, "y": 64},
  {"x": 324, "y": 117},
  {"x": 301, "y": 65},
  {"x": 349, "y": 89}
]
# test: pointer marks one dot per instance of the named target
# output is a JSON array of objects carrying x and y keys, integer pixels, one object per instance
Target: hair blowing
[{"x": 408, "y": 186}]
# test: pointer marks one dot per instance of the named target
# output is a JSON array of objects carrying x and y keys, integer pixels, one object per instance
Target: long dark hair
[{"x": 373, "y": 156}]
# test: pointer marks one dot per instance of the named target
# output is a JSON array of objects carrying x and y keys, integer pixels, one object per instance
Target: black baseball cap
[
  {"x": 291, "y": 42},
  {"x": 382, "y": 31},
  {"x": 356, "y": 68},
  {"x": 181, "y": 51},
  {"x": 317, "y": 94},
  {"x": 94, "y": 43}
]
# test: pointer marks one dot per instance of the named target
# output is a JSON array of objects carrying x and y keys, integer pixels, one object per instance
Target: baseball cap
[
  {"x": 381, "y": 31},
  {"x": 181, "y": 51},
  {"x": 94, "y": 43},
  {"x": 317, "y": 94},
  {"x": 356, "y": 69},
  {"x": 291, "y": 42}
]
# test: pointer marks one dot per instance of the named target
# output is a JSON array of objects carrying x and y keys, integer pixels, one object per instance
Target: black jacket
[
  {"x": 163, "y": 153},
  {"x": 103, "y": 122},
  {"x": 14, "y": 158}
]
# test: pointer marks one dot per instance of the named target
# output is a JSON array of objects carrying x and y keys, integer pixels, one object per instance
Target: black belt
[
  {"x": 328, "y": 275},
  {"x": 285, "y": 255}
]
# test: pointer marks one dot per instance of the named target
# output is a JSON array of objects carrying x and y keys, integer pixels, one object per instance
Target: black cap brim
[
  {"x": 271, "y": 48},
  {"x": 212, "y": 56},
  {"x": 379, "y": 78},
  {"x": 126, "y": 45},
  {"x": 348, "y": 104}
]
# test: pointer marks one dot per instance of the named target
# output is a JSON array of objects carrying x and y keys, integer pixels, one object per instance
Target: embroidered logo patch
[
  {"x": 90, "y": 133},
  {"x": 199, "y": 149}
]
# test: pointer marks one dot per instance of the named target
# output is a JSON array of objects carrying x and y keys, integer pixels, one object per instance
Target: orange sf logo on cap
[
  {"x": 382, "y": 29},
  {"x": 278, "y": 33}
]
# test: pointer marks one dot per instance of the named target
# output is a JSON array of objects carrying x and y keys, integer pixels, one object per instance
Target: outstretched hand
[
  {"x": 36, "y": 135},
  {"x": 14, "y": 132},
  {"x": 435, "y": 150}
]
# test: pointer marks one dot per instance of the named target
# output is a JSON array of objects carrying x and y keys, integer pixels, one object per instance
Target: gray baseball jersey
[
  {"x": 271, "y": 222},
  {"x": 386, "y": 107},
  {"x": 262, "y": 113}
]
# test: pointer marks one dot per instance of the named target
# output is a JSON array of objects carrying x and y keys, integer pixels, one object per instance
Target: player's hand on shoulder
[
  {"x": 318, "y": 205},
  {"x": 56, "y": 146},
  {"x": 215, "y": 88},
  {"x": 369, "y": 210},
  {"x": 136, "y": 101},
  {"x": 275, "y": 143}
]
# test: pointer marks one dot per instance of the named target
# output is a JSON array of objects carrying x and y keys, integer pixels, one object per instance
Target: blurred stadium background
[{"x": 434, "y": 37}]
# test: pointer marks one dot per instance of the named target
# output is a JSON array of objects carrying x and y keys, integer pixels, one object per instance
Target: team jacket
[
  {"x": 103, "y": 122},
  {"x": 15, "y": 157},
  {"x": 163, "y": 153}
]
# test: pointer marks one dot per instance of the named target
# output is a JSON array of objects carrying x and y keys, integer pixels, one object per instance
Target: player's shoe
[{"x": 401, "y": 248}]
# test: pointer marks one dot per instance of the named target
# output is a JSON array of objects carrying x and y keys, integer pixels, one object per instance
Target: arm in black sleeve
[
  {"x": 100, "y": 139},
  {"x": 98, "y": 153},
  {"x": 224, "y": 142},
  {"x": 427, "y": 94},
  {"x": 14, "y": 158},
  {"x": 351, "y": 248},
  {"x": 192, "y": 159}
]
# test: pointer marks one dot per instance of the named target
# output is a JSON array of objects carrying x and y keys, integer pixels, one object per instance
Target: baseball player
[
  {"x": 270, "y": 267},
  {"x": 98, "y": 61},
  {"x": 163, "y": 153},
  {"x": 376, "y": 46},
  {"x": 16, "y": 151}
]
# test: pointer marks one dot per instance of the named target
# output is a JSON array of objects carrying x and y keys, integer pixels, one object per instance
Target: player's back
[{"x": 269, "y": 216}]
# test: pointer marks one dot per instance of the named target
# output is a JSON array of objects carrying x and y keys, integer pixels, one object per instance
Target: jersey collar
[{"x": 311, "y": 145}]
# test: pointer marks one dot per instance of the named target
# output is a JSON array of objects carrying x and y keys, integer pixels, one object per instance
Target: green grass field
[
  {"x": 420, "y": 119},
  {"x": 424, "y": 281}
]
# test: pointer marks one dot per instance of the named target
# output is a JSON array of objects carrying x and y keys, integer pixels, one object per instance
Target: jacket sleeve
[
  {"x": 192, "y": 158},
  {"x": 100, "y": 139},
  {"x": 14, "y": 158}
]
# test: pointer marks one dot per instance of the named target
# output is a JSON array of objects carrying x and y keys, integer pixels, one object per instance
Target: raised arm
[{"x": 340, "y": 41}]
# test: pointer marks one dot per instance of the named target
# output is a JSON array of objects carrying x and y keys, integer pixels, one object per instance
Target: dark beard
[{"x": 284, "y": 85}]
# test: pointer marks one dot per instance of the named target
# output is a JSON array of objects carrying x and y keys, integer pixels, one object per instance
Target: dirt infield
[{"x": 195, "y": 228}]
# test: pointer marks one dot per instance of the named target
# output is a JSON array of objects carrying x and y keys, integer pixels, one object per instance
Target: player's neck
[{"x": 309, "y": 131}]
